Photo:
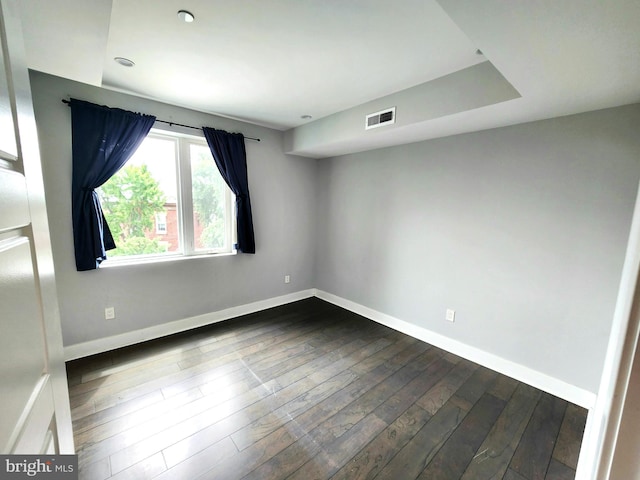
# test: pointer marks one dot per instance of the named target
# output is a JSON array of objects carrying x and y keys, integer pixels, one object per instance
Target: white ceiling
[{"x": 269, "y": 62}]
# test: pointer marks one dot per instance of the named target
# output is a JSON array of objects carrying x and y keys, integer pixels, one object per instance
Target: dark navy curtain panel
[
  {"x": 103, "y": 139},
  {"x": 231, "y": 158}
]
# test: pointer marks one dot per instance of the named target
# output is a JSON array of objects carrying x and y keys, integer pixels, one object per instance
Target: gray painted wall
[
  {"x": 522, "y": 230},
  {"x": 283, "y": 196}
]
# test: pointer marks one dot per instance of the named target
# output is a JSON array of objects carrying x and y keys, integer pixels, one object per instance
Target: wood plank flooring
[{"x": 310, "y": 391}]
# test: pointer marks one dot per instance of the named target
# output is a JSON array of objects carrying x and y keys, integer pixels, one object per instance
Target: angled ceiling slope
[
  {"x": 561, "y": 57},
  {"x": 267, "y": 65},
  {"x": 334, "y": 60}
]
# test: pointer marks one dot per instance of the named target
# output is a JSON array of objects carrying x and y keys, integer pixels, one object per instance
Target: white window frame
[
  {"x": 185, "y": 200},
  {"x": 184, "y": 207}
]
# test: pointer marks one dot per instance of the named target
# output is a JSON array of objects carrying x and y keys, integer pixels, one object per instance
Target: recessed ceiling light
[
  {"x": 185, "y": 16},
  {"x": 306, "y": 117},
  {"x": 125, "y": 62}
]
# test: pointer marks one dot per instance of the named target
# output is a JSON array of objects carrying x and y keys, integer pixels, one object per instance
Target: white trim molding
[
  {"x": 601, "y": 446},
  {"x": 101, "y": 345},
  {"x": 527, "y": 375},
  {"x": 539, "y": 380},
  {"x": 524, "y": 374},
  {"x": 514, "y": 370}
]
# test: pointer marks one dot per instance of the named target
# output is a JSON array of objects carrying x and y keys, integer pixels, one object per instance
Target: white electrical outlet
[
  {"x": 451, "y": 315},
  {"x": 109, "y": 313},
  {"x": 287, "y": 279}
]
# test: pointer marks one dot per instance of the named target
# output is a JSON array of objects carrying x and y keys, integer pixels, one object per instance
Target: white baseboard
[
  {"x": 527, "y": 375},
  {"x": 514, "y": 370},
  {"x": 524, "y": 374},
  {"x": 100, "y": 345}
]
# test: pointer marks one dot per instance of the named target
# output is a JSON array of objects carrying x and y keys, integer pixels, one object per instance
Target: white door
[{"x": 34, "y": 400}]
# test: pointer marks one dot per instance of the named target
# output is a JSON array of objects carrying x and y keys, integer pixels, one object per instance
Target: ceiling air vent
[{"x": 379, "y": 119}]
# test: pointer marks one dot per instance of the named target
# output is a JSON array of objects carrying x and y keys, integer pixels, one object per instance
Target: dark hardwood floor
[{"x": 310, "y": 391}]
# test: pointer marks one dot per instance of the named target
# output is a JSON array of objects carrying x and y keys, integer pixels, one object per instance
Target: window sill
[{"x": 128, "y": 262}]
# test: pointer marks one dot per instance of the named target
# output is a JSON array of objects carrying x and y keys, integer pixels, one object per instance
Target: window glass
[
  {"x": 144, "y": 187},
  {"x": 209, "y": 192},
  {"x": 147, "y": 202}
]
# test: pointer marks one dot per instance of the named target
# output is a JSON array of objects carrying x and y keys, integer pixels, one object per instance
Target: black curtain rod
[{"x": 176, "y": 124}]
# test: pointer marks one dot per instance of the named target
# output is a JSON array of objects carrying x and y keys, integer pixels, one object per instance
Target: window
[
  {"x": 169, "y": 200},
  {"x": 161, "y": 223}
]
